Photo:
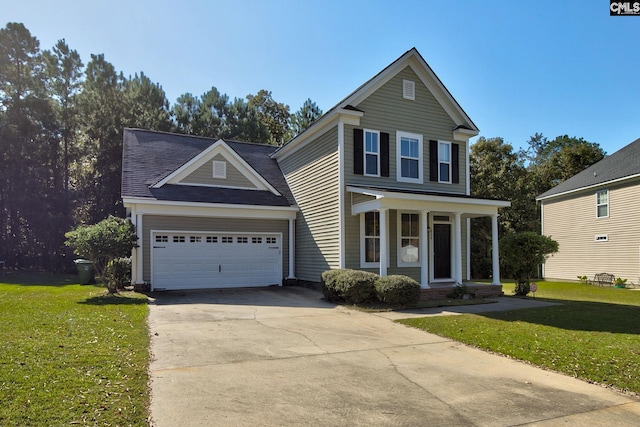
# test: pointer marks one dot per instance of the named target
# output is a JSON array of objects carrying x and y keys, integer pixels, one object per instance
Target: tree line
[
  {"x": 500, "y": 172},
  {"x": 61, "y": 125}
]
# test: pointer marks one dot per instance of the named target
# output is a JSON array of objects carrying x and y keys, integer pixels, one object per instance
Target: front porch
[{"x": 424, "y": 235}]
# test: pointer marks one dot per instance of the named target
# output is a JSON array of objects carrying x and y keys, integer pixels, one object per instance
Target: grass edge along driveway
[
  {"x": 71, "y": 353},
  {"x": 593, "y": 335}
]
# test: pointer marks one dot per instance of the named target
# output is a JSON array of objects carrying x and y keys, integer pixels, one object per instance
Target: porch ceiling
[{"x": 404, "y": 199}]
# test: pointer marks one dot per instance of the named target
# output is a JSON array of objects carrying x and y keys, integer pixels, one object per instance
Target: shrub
[
  {"x": 117, "y": 274},
  {"x": 458, "y": 291},
  {"x": 522, "y": 253},
  {"x": 397, "y": 290},
  {"x": 351, "y": 286},
  {"x": 329, "y": 288},
  {"x": 522, "y": 289},
  {"x": 100, "y": 243}
]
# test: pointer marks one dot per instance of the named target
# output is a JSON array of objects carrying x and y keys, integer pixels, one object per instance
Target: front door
[{"x": 442, "y": 251}]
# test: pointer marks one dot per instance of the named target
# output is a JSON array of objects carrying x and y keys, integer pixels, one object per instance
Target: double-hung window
[
  {"x": 371, "y": 152},
  {"x": 370, "y": 231},
  {"x": 409, "y": 157},
  {"x": 444, "y": 162},
  {"x": 602, "y": 204},
  {"x": 409, "y": 239}
]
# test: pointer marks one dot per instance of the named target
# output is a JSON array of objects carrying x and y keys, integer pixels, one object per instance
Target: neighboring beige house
[
  {"x": 595, "y": 218},
  {"x": 380, "y": 182}
]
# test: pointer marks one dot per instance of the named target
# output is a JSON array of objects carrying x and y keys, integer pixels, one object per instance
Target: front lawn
[
  {"x": 71, "y": 354},
  {"x": 593, "y": 335}
]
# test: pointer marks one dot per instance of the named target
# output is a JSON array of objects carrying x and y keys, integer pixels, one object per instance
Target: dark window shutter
[
  {"x": 384, "y": 154},
  {"x": 455, "y": 164},
  {"x": 358, "y": 152},
  {"x": 433, "y": 160}
]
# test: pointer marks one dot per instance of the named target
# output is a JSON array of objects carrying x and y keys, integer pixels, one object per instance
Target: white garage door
[{"x": 195, "y": 260}]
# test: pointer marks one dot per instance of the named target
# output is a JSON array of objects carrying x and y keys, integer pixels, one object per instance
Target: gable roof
[
  {"x": 411, "y": 58},
  {"x": 621, "y": 165},
  {"x": 150, "y": 158}
]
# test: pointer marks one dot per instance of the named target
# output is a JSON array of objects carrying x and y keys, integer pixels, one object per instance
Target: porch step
[{"x": 477, "y": 290}]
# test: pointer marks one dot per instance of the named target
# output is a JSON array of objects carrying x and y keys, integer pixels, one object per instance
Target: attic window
[
  {"x": 219, "y": 169},
  {"x": 409, "y": 89}
]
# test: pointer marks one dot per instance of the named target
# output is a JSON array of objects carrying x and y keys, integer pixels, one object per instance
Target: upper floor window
[
  {"x": 371, "y": 152},
  {"x": 409, "y": 157},
  {"x": 444, "y": 162},
  {"x": 602, "y": 204}
]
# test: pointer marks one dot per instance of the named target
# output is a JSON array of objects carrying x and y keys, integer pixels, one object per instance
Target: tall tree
[
  {"x": 212, "y": 114},
  {"x": 27, "y": 162},
  {"x": 274, "y": 115},
  {"x": 185, "y": 111},
  {"x": 559, "y": 159},
  {"x": 497, "y": 172},
  {"x": 101, "y": 114},
  {"x": 64, "y": 72},
  {"x": 146, "y": 105},
  {"x": 305, "y": 116}
]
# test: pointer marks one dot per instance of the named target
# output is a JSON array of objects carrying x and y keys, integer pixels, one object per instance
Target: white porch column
[
  {"x": 384, "y": 242},
  {"x": 458, "y": 247},
  {"x": 137, "y": 255},
  {"x": 424, "y": 244},
  {"x": 292, "y": 248},
  {"x": 495, "y": 257}
]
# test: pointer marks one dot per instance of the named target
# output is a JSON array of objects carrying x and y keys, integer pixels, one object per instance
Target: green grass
[
  {"x": 594, "y": 334},
  {"x": 71, "y": 354}
]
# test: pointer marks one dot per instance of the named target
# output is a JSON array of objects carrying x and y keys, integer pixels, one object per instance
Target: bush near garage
[
  {"x": 350, "y": 286},
  {"x": 397, "y": 290},
  {"x": 117, "y": 274}
]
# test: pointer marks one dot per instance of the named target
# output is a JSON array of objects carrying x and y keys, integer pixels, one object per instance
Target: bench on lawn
[{"x": 603, "y": 279}]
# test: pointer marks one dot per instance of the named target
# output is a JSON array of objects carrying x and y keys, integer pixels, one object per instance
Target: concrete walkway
[{"x": 285, "y": 357}]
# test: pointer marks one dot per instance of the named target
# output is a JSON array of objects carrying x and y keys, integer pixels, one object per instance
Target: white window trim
[
  {"x": 219, "y": 169},
  {"x": 399, "y": 243},
  {"x": 399, "y": 177},
  {"x": 365, "y": 152},
  {"x": 603, "y": 204},
  {"x": 448, "y": 143},
  {"x": 363, "y": 262}
]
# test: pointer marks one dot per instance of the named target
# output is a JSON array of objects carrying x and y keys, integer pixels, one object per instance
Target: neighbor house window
[
  {"x": 602, "y": 204},
  {"x": 370, "y": 227},
  {"x": 409, "y": 157},
  {"x": 444, "y": 162},
  {"x": 409, "y": 240},
  {"x": 371, "y": 152}
]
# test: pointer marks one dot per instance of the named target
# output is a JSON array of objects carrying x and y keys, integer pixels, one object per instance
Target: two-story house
[
  {"x": 380, "y": 182},
  {"x": 595, "y": 218}
]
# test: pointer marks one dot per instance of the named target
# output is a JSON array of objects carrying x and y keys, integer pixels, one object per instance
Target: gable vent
[
  {"x": 409, "y": 89},
  {"x": 219, "y": 169}
]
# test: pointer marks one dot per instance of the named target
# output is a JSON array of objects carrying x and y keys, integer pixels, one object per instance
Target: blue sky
[{"x": 516, "y": 67}]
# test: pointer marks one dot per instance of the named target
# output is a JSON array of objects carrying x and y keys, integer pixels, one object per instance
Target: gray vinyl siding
[
  {"x": 386, "y": 111},
  {"x": 204, "y": 175},
  {"x": 312, "y": 175},
  {"x": 181, "y": 223},
  {"x": 572, "y": 222}
]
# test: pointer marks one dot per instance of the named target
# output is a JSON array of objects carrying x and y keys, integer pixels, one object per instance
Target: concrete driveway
[{"x": 283, "y": 356}]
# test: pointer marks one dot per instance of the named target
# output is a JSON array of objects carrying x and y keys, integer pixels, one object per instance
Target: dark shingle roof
[
  {"x": 623, "y": 163},
  {"x": 150, "y": 156}
]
